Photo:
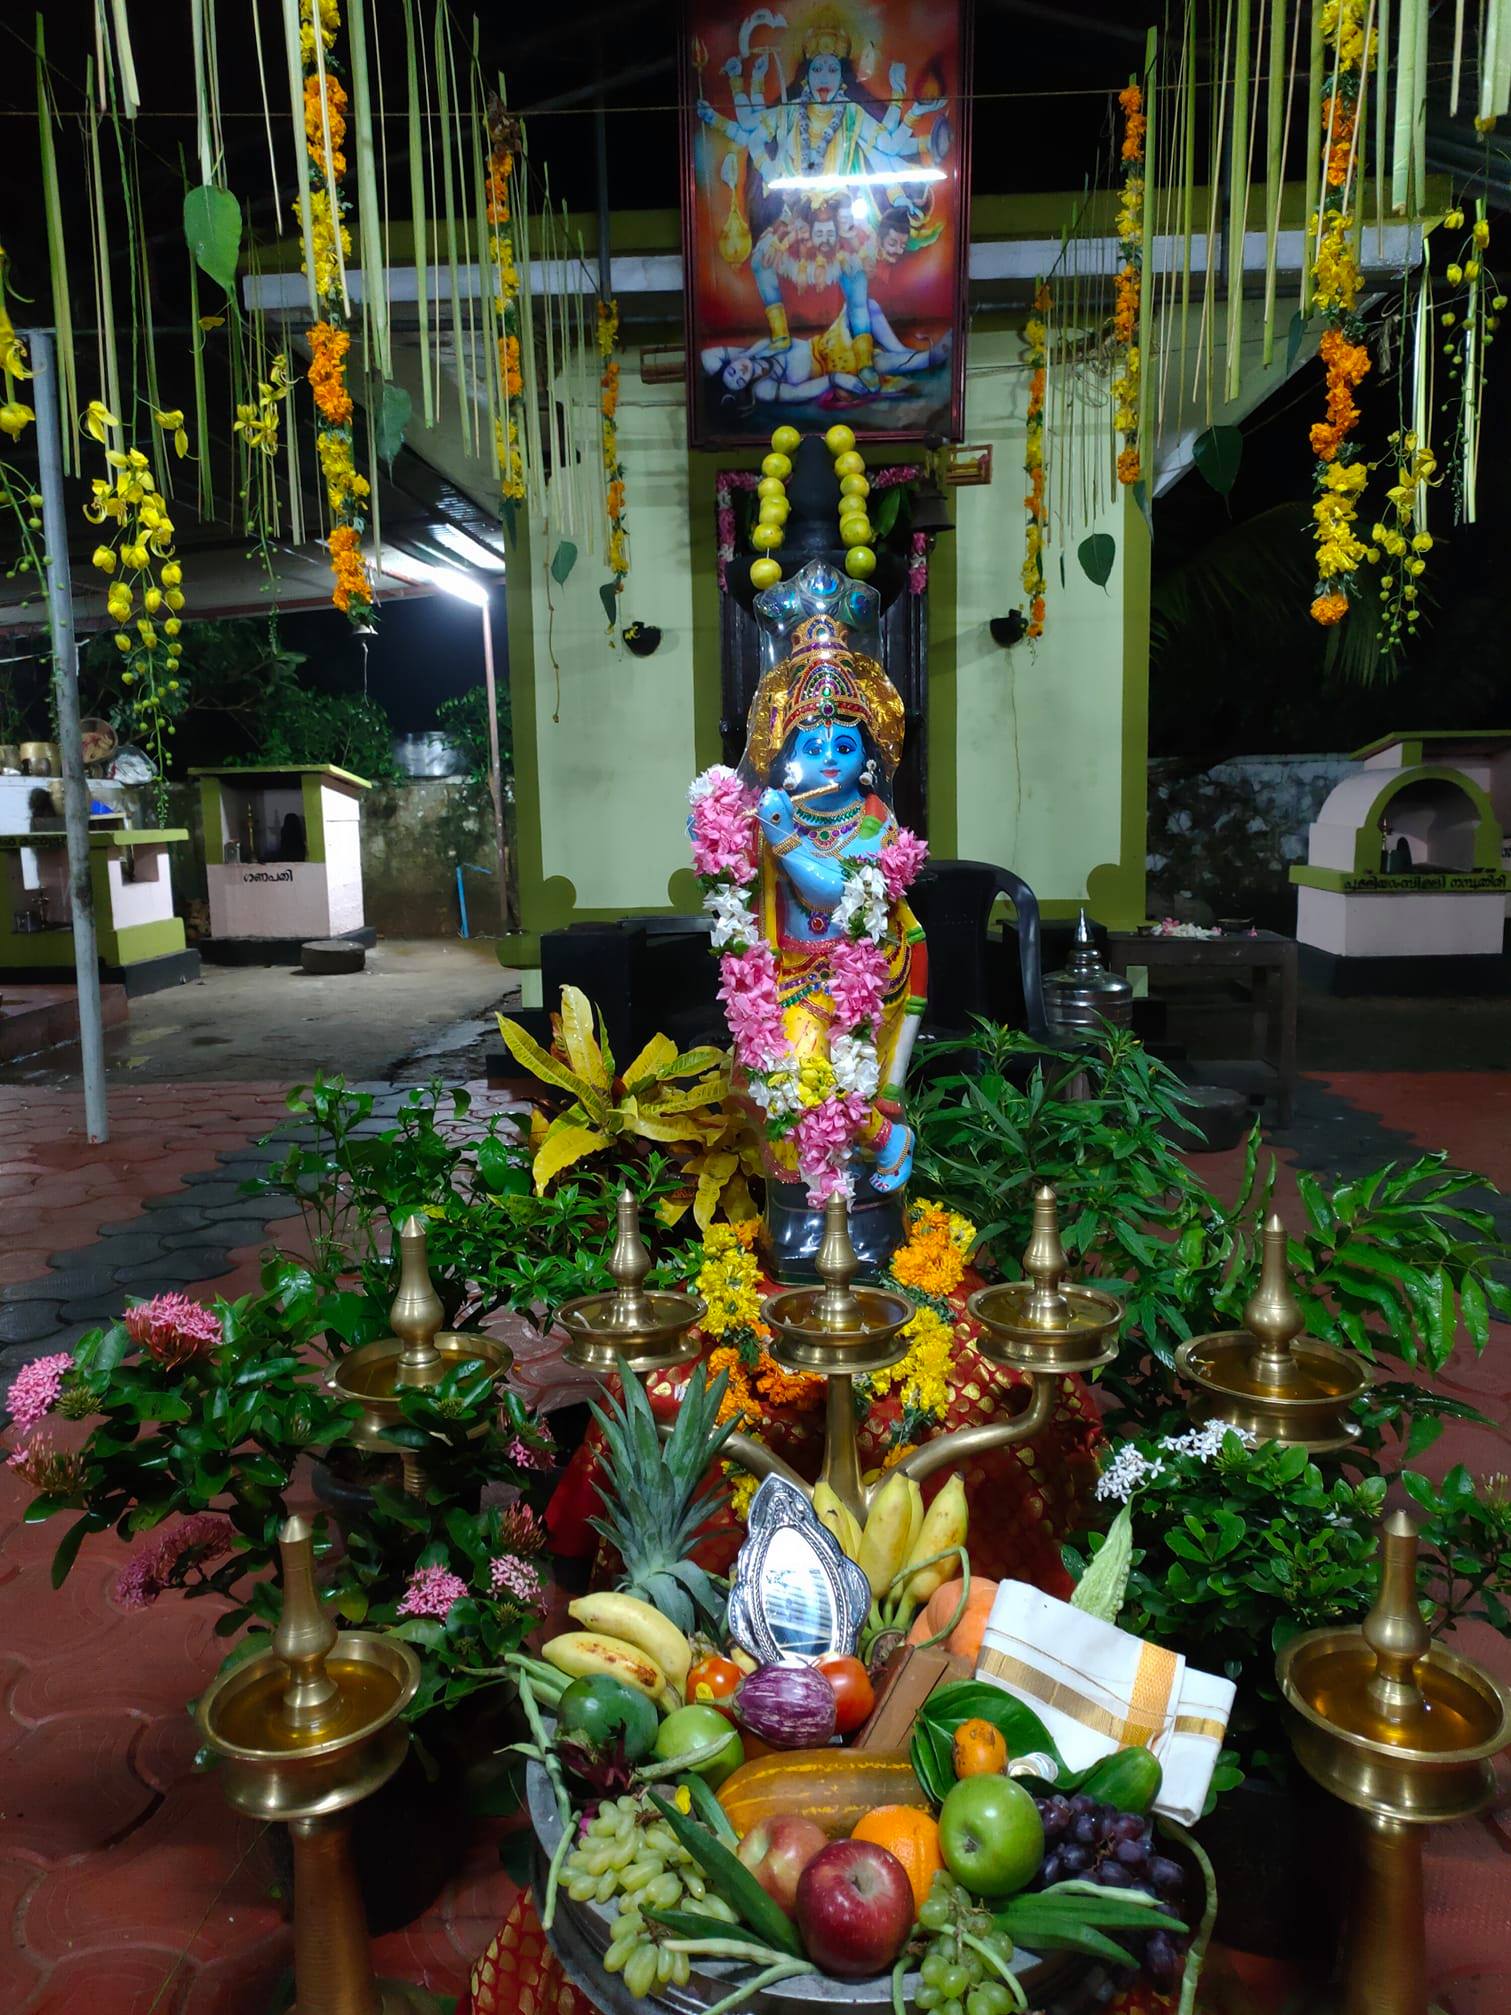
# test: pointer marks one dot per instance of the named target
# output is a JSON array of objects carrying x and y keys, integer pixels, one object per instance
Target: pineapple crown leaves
[{"x": 653, "y": 1496}]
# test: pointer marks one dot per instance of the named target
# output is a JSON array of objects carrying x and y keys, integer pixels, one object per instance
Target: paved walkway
[{"x": 128, "y": 1885}]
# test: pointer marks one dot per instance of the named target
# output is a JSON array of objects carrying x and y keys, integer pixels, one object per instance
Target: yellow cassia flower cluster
[
  {"x": 1400, "y": 537},
  {"x": 257, "y": 421},
  {"x": 136, "y": 555},
  {"x": 15, "y": 415}
]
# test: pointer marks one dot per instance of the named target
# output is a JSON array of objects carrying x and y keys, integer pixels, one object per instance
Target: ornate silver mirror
[{"x": 796, "y": 1597}]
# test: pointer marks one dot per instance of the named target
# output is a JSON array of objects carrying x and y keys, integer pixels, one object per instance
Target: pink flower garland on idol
[{"x": 823, "y": 1106}]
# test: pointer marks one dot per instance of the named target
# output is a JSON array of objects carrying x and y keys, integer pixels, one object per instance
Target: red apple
[
  {"x": 778, "y": 1850},
  {"x": 854, "y": 1908}
]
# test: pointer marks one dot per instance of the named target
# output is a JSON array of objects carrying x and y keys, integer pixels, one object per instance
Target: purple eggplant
[{"x": 789, "y": 1706}]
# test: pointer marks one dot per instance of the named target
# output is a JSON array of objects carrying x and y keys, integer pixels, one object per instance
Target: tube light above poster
[{"x": 825, "y": 217}]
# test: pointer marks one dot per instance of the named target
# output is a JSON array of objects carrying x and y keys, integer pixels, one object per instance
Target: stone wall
[
  {"x": 1222, "y": 841},
  {"x": 413, "y": 835}
]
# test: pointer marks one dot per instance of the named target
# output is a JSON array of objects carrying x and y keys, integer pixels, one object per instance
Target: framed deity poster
[{"x": 825, "y": 216}]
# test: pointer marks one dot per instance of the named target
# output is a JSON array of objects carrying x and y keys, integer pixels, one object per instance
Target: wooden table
[{"x": 1264, "y": 954}]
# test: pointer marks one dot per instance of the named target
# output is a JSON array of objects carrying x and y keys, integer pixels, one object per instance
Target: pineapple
[{"x": 654, "y": 1505}]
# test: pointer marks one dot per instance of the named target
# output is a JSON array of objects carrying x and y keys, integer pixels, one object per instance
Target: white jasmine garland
[
  {"x": 864, "y": 896},
  {"x": 854, "y": 1062},
  {"x": 734, "y": 919},
  {"x": 776, "y": 1091},
  {"x": 1202, "y": 1443}
]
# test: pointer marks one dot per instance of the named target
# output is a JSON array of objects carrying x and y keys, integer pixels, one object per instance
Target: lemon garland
[{"x": 773, "y": 508}]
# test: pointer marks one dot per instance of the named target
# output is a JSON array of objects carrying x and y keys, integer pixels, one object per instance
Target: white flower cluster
[
  {"x": 776, "y": 1091},
  {"x": 1130, "y": 1467},
  {"x": 865, "y": 896},
  {"x": 854, "y": 1062},
  {"x": 1126, "y": 1471},
  {"x": 1202, "y": 1443},
  {"x": 734, "y": 919}
]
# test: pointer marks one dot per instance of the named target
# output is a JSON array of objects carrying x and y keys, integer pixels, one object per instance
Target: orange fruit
[
  {"x": 978, "y": 1749},
  {"x": 911, "y": 1835}
]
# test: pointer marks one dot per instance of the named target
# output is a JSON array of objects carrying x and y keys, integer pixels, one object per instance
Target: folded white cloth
[{"x": 1098, "y": 1689}]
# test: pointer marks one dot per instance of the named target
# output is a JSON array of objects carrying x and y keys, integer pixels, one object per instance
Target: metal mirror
[{"x": 796, "y": 1597}]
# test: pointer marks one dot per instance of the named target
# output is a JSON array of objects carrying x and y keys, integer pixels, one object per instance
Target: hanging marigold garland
[
  {"x": 613, "y": 468},
  {"x": 1341, "y": 471},
  {"x": 503, "y": 145},
  {"x": 346, "y": 491},
  {"x": 1129, "y": 287},
  {"x": 1036, "y": 353}
]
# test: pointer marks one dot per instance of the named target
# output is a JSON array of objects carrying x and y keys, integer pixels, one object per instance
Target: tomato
[
  {"x": 712, "y": 1682},
  {"x": 854, "y": 1695}
]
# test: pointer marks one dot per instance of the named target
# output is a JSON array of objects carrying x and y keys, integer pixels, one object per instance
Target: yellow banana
[
  {"x": 583, "y": 1653},
  {"x": 915, "y": 1516},
  {"x": 884, "y": 1543},
  {"x": 943, "y": 1528},
  {"x": 635, "y": 1622},
  {"x": 839, "y": 1519}
]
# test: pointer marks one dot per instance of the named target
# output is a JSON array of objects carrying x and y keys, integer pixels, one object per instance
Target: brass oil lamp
[
  {"x": 305, "y": 1732},
  {"x": 1404, "y": 1733},
  {"x": 418, "y": 1355},
  {"x": 1270, "y": 1378},
  {"x": 643, "y": 1329},
  {"x": 839, "y": 1332}
]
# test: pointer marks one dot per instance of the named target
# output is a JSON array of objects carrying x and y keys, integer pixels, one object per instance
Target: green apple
[
  {"x": 690, "y": 1728},
  {"x": 991, "y": 1835}
]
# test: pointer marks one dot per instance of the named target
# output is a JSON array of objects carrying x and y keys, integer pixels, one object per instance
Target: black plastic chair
[{"x": 971, "y": 973}]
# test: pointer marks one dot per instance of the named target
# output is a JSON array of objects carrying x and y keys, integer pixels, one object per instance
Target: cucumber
[{"x": 1130, "y": 1779}]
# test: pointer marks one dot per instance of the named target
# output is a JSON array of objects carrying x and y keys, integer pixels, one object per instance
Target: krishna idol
[{"x": 805, "y": 871}]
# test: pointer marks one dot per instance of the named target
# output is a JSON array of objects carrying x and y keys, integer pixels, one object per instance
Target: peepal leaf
[
  {"x": 1096, "y": 556},
  {"x": 1217, "y": 452},
  {"x": 212, "y": 226},
  {"x": 563, "y": 560},
  {"x": 608, "y": 594},
  {"x": 1099, "y": 1592},
  {"x": 394, "y": 415}
]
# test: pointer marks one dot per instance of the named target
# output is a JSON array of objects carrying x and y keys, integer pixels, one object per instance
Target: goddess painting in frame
[{"x": 824, "y": 220}]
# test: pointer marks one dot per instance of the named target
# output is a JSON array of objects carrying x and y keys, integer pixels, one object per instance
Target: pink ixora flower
[
  {"x": 191, "y": 1544},
  {"x": 173, "y": 1328},
  {"x": 432, "y": 1591},
  {"x": 34, "y": 1391},
  {"x": 900, "y": 859},
  {"x": 531, "y": 1454},
  {"x": 751, "y": 1007},
  {"x": 725, "y": 836},
  {"x": 825, "y": 1136},
  {"x": 511, "y": 1579},
  {"x": 857, "y": 982},
  {"x": 521, "y": 1530}
]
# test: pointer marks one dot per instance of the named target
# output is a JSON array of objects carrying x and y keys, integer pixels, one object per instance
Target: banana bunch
[
  {"x": 899, "y": 1535},
  {"x": 626, "y": 1639}
]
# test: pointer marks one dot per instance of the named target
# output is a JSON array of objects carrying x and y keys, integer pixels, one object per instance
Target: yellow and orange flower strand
[
  {"x": 511, "y": 461},
  {"x": 1128, "y": 290},
  {"x": 346, "y": 490},
  {"x": 1036, "y": 353},
  {"x": 1341, "y": 472},
  {"x": 613, "y": 468}
]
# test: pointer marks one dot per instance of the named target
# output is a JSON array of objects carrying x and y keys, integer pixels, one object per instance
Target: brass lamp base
[
  {"x": 643, "y": 1330},
  {"x": 1405, "y": 1735}
]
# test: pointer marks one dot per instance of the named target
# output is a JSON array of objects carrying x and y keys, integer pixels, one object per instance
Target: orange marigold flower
[
  {"x": 616, "y": 500},
  {"x": 1128, "y": 466},
  {"x": 349, "y": 568},
  {"x": 1330, "y": 608},
  {"x": 315, "y": 123},
  {"x": 327, "y": 373}
]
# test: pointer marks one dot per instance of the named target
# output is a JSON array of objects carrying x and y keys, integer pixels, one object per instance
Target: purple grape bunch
[{"x": 1088, "y": 1841}]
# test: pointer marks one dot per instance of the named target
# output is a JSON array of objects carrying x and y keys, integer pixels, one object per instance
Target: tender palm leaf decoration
[
  {"x": 654, "y": 1498},
  {"x": 652, "y": 1100}
]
